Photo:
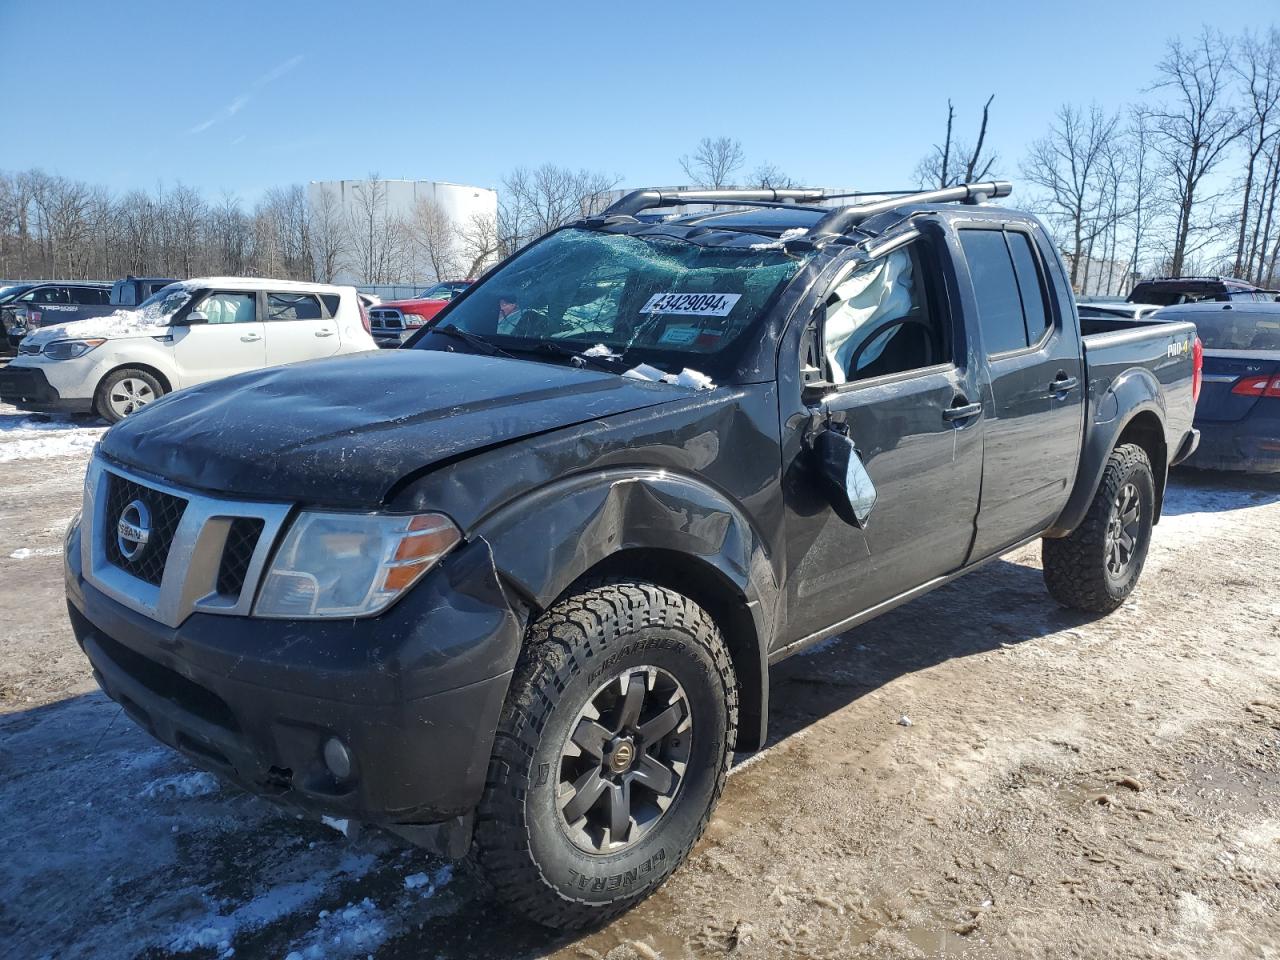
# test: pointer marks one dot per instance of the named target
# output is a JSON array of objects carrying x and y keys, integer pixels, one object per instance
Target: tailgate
[{"x": 1223, "y": 372}]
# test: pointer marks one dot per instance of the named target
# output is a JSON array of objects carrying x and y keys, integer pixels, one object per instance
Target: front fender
[
  {"x": 1133, "y": 393},
  {"x": 546, "y": 540}
]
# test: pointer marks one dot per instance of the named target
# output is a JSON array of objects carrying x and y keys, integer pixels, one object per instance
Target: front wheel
[
  {"x": 612, "y": 750},
  {"x": 1098, "y": 565},
  {"x": 125, "y": 391}
]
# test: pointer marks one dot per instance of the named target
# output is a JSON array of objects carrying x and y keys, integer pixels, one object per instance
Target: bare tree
[
  {"x": 376, "y": 236},
  {"x": 1070, "y": 165},
  {"x": 329, "y": 246},
  {"x": 714, "y": 162},
  {"x": 1193, "y": 133},
  {"x": 479, "y": 243},
  {"x": 433, "y": 235},
  {"x": 953, "y": 161},
  {"x": 1258, "y": 67},
  {"x": 771, "y": 176},
  {"x": 537, "y": 201}
]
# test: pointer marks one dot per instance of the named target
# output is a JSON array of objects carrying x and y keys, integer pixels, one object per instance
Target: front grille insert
[
  {"x": 164, "y": 513},
  {"x": 241, "y": 541}
]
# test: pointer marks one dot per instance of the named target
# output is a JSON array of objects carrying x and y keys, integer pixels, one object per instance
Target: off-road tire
[
  {"x": 522, "y": 846},
  {"x": 1075, "y": 567},
  {"x": 102, "y": 396}
]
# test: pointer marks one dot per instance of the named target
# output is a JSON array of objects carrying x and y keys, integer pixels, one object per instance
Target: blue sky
[{"x": 239, "y": 97}]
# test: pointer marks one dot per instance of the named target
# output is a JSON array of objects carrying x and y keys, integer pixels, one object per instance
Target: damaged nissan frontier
[{"x": 513, "y": 591}]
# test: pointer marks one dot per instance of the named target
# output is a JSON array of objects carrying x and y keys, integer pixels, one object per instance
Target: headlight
[
  {"x": 351, "y": 565},
  {"x": 70, "y": 349}
]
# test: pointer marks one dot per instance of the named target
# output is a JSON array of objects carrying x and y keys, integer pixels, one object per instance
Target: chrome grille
[
  {"x": 386, "y": 319},
  {"x": 166, "y": 513},
  {"x": 209, "y": 552},
  {"x": 242, "y": 539}
]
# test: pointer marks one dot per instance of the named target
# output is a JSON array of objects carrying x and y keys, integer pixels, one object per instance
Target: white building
[{"x": 388, "y": 206}]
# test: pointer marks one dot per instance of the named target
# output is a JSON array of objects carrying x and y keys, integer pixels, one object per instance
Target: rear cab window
[{"x": 1008, "y": 283}]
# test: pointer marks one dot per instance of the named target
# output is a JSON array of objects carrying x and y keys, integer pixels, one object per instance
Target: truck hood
[{"x": 344, "y": 431}]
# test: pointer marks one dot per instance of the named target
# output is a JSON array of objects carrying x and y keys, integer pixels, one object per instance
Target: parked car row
[
  {"x": 25, "y": 307},
  {"x": 184, "y": 334}
]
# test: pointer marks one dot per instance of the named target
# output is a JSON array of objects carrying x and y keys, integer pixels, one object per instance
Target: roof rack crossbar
[
  {"x": 639, "y": 200},
  {"x": 841, "y": 220}
]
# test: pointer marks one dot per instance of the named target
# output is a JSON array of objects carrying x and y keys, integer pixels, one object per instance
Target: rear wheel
[
  {"x": 1099, "y": 564},
  {"x": 612, "y": 750},
  {"x": 125, "y": 391}
]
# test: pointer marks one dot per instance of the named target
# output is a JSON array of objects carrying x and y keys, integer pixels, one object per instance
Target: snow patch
[
  {"x": 694, "y": 379},
  {"x": 24, "y": 437},
  {"x": 27, "y": 553},
  {"x": 356, "y": 929},
  {"x": 795, "y": 233},
  {"x": 184, "y": 785},
  {"x": 429, "y": 883}
]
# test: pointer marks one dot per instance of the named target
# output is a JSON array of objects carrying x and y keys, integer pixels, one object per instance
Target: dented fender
[{"x": 547, "y": 540}]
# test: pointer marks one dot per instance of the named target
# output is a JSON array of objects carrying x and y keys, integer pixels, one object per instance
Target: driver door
[
  {"x": 228, "y": 339},
  {"x": 890, "y": 346}
]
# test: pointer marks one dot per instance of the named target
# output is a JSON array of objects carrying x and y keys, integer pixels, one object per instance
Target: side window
[
  {"x": 879, "y": 320},
  {"x": 50, "y": 295},
  {"x": 1035, "y": 300},
  {"x": 996, "y": 288},
  {"x": 87, "y": 295},
  {"x": 293, "y": 306},
  {"x": 124, "y": 294},
  {"x": 222, "y": 307},
  {"x": 1013, "y": 305}
]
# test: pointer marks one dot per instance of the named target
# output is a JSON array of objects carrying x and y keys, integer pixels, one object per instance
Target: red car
[{"x": 393, "y": 321}]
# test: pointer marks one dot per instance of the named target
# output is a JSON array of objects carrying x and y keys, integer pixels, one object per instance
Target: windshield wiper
[{"x": 472, "y": 339}]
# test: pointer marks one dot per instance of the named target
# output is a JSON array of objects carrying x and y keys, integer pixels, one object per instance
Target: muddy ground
[{"x": 1066, "y": 787}]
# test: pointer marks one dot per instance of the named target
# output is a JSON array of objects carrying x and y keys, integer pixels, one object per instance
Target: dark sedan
[{"x": 1239, "y": 410}]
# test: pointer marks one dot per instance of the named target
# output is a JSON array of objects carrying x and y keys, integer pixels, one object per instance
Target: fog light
[{"x": 337, "y": 758}]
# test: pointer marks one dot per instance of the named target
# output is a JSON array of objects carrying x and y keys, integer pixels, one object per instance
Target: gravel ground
[{"x": 1065, "y": 786}]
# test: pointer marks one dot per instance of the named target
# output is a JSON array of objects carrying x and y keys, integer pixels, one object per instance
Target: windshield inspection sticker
[
  {"x": 692, "y": 304},
  {"x": 679, "y": 335}
]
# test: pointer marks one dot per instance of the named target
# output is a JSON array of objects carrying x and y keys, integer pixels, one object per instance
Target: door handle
[
  {"x": 324, "y": 333},
  {"x": 962, "y": 412},
  {"x": 1063, "y": 385},
  {"x": 250, "y": 338}
]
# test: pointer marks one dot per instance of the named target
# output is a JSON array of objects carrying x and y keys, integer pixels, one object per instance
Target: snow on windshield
[{"x": 141, "y": 320}]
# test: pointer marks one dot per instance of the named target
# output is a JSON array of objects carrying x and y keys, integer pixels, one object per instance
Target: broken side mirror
[{"x": 844, "y": 479}]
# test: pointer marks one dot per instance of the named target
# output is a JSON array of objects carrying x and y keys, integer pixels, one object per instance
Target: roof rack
[
  {"x": 835, "y": 223},
  {"x": 639, "y": 200},
  {"x": 838, "y": 221}
]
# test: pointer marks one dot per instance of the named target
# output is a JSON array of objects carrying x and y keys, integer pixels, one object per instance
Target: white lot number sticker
[{"x": 692, "y": 304}]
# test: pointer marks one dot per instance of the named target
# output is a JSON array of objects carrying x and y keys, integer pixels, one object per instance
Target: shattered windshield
[
  {"x": 165, "y": 302},
  {"x": 666, "y": 303}
]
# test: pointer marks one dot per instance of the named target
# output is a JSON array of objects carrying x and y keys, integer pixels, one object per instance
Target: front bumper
[
  {"x": 390, "y": 340},
  {"x": 29, "y": 389},
  {"x": 1251, "y": 445},
  {"x": 256, "y": 700}
]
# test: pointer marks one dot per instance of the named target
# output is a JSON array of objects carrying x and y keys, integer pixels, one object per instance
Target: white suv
[{"x": 185, "y": 334}]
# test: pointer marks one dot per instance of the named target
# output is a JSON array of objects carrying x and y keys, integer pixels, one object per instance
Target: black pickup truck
[
  {"x": 516, "y": 589},
  {"x": 44, "y": 304}
]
